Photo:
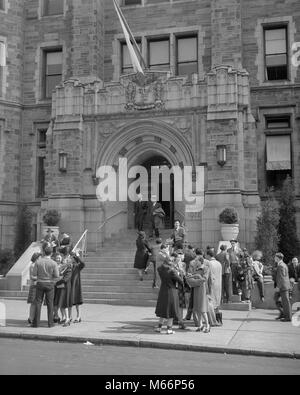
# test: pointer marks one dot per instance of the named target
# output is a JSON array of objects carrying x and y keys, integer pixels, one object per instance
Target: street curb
[{"x": 150, "y": 344}]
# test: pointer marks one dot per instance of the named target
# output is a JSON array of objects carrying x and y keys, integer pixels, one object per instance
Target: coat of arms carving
[{"x": 144, "y": 91}]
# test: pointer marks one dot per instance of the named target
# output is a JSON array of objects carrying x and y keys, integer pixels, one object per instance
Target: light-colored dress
[{"x": 215, "y": 282}]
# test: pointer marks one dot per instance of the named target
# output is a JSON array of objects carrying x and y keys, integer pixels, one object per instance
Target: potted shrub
[
  {"x": 51, "y": 220},
  {"x": 229, "y": 219}
]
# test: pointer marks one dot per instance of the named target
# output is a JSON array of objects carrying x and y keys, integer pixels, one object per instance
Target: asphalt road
[{"x": 35, "y": 357}]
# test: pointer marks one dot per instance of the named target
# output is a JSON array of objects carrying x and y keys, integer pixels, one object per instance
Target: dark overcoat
[
  {"x": 142, "y": 253},
  {"x": 168, "y": 302},
  {"x": 78, "y": 265},
  {"x": 63, "y": 296}
]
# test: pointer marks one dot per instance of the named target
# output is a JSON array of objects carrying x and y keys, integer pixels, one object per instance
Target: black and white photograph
[{"x": 149, "y": 190}]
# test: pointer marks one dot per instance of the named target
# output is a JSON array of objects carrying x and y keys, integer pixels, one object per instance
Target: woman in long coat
[
  {"x": 77, "y": 299},
  {"x": 142, "y": 254},
  {"x": 167, "y": 307},
  {"x": 198, "y": 281}
]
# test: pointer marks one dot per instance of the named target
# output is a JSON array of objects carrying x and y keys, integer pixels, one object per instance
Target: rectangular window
[
  {"x": 132, "y": 2},
  {"x": 53, "y": 7},
  {"x": 42, "y": 137},
  {"x": 53, "y": 71},
  {"x": 126, "y": 67},
  {"x": 279, "y": 160},
  {"x": 2, "y": 5},
  {"x": 276, "y": 53},
  {"x": 159, "y": 54},
  {"x": 187, "y": 55},
  {"x": 41, "y": 176},
  {"x": 2, "y": 66},
  {"x": 280, "y": 122}
]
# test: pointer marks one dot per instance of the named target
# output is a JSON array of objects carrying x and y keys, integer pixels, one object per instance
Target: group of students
[
  {"x": 191, "y": 280},
  {"x": 55, "y": 279},
  {"x": 200, "y": 282}
]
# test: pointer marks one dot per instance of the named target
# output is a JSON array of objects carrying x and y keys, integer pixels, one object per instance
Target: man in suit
[
  {"x": 223, "y": 258},
  {"x": 178, "y": 236},
  {"x": 282, "y": 288},
  {"x": 154, "y": 205},
  {"x": 294, "y": 271},
  {"x": 234, "y": 258},
  {"x": 140, "y": 212}
]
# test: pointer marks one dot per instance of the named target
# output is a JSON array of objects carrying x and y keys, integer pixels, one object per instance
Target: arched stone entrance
[{"x": 148, "y": 143}]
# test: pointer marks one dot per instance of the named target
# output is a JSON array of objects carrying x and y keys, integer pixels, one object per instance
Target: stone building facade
[{"x": 241, "y": 92}]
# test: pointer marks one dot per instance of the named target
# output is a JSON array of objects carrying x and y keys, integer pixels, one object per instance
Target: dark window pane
[
  {"x": 278, "y": 122},
  {"x": 275, "y": 179},
  {"x": 2, "y": 4},
  {"x": 42, "y": 137},
  {"x": 40, "y": 176},
  {"x": 277, "y": 73},
  {"x": 132, "y": 2},
  {"x": 53, "y": 7}
]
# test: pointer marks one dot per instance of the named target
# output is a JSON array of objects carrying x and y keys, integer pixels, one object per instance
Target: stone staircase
[{"x": 109, "y": 276}]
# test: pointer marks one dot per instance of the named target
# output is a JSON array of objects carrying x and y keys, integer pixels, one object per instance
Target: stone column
[
  {"x": 88, "y": 38},
  {"x": 226, "y": 28}
]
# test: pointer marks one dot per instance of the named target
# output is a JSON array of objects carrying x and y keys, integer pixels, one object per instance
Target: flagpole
[{"x": 132, "y": 47}]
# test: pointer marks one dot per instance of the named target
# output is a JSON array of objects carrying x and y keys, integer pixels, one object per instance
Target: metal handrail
[
  {"x": 109, "y": 218},
  {"x": 79, "y": 241},
  {"x": 106, "y": 221}
]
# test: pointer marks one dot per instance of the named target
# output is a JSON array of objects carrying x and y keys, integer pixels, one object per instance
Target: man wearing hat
[
  {"x": 234, "y": 258},
  {"x": 140, "y": 212},
  {"x": 155, "y": 249}
]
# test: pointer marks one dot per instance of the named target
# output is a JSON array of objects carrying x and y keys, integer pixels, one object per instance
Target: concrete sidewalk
[{"x": 248, "y": 333}]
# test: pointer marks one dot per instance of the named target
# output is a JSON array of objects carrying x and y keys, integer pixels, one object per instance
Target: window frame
[
  {"x": 45, "y": 51},
  {"x": 276, "y": 26},
  {"x": 278, "y": 131},
  {"x": 158, "y": 39},
  {"x": 45, "y": 5},
  {"x": 186, "y": 36},
  {"x": 3, "y": 68},
  {"x": 4, "y": 9},
  {"x": 122, "y": 45}
]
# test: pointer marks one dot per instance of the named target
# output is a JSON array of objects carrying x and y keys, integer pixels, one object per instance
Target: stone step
[
  {"x": 109, "y": 270},
  {"x": 112, "y": 258},
  {"x": 118, "y": 277},
  {"x": 106, "y": 283},
  {"x": 237, "y": 306},
  {"x": 119, "y": 295},
  {"x": 123, "y": 302},
  {"x": 120, "y": 289},
  {"x": 107, "y": 265}
]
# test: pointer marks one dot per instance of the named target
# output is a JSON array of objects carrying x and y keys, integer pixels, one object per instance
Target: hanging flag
[{"x": 133, "y": 48}]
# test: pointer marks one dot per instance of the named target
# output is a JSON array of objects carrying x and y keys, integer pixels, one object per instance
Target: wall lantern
[
  {"x": 221, "y": 155},
  {"x": 62, "y": 161}
]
